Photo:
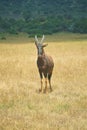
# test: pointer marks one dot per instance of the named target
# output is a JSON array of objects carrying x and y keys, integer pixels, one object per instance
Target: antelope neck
[{"x": 41, "y": 59}]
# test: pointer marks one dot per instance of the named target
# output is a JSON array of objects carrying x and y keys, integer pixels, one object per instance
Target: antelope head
[{"x": 40, "y": 45}]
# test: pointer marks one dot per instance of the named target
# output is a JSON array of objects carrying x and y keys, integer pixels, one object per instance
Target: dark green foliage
[
  {"x": 81, "y": 26},
  {"x": 3, "y": 38},
  {"x": 42, "y": 16}
]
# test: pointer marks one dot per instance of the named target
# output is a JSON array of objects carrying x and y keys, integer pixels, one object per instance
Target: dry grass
[{"x": 22, "y": 108}]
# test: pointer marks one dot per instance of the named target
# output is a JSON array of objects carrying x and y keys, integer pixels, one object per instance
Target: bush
[{"x": 3, "y": 38}]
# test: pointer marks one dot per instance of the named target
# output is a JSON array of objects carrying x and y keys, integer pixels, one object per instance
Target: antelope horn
[
  {"x": 42, "y": 39},
  {"x": 36, "y": 39}
]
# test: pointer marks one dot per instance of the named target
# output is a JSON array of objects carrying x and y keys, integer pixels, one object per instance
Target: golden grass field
[{"x": 21, "y": 106}]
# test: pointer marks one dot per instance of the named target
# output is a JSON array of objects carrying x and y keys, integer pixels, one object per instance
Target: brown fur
[{"x": 45, "y": 65}]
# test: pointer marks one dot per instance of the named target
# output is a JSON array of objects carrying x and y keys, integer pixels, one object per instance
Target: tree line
[{"x": 42, "y": 16}]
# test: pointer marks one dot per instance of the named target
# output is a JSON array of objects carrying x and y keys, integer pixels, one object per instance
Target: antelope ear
[{"x": 44, "y": 45}]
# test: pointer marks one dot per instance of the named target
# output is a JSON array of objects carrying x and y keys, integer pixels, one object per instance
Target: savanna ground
[{"x": 21, "y": 106}]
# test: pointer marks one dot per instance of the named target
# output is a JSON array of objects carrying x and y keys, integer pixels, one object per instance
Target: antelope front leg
[
  {"x": 50, "y": 86},
  {"x": 45, "y": 85},
  {"x": 40, "y": 90},
  {"x": 49, "y": 78}
]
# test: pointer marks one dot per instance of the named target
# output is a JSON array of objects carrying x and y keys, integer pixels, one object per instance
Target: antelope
[{"x": 45, "y": 64}]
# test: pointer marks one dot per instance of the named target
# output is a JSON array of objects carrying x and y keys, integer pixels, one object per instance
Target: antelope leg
[
  {"x": 41, "y": 77},
  {"x": 40, "y": 90},
  {"x": 49, "y": 78},
  {"x": 45, "y": 85}
]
